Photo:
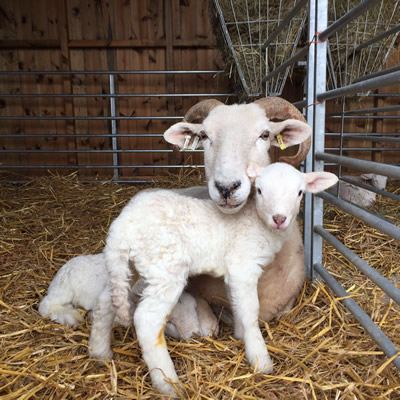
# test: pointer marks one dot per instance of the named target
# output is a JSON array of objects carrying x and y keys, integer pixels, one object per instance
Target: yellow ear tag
[{"x": 280, "y": 141}]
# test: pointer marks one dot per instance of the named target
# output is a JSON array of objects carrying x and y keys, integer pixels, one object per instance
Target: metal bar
[
  {"x": 229, "y": 43},
  {"x": 378, "y": 94},
  {"x": 345, "y": 19},
  {"x": 387, "y": 286},
  {"x": 285, "y": 21},
  {"x": 114, "y": 127},
  {"x": 88, "y": 118},
  {"x": 97, "y": 72},
  {"x": 366, "y": 117},
  {"x": 356, "y": 134},
  {"x": 308, "y": 164},
  {"x": 319, "y": 124},
  {"x": 298, "y": 56},
  {"x": 361, "y": 148},
  {"x": 378, "y": 73},
  {"x": 365, "y": 216},
  {"x": 362, "y": 165},
  {"x": 365, "y": 321},
  {"x": 369, "y": 110},
  {"x": 300, "y": 104},
  {"x": 377, "y": 38},
  {"x": 375, "y": 138},
  {"x": 34, "y": 95},
  {"x": 373, "y": 83},
  {"x": 42, "y": 135},
  {"x": 105, "y": 151},
  {"x": 95, "y": 166},
  {"x": 370, "y": 188}
]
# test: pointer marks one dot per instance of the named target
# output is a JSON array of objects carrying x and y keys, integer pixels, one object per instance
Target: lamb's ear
[
  {"x": 319, "y": 181},
  {"x": 253, "y": 171},
  {"x": 184, "y": 135},
  {"x": 292, "y": 132}
]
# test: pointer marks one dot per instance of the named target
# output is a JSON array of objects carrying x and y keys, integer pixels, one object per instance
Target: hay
[
  {"x": 248, "y": 37},
  {"x": 319, "y": 351},
  {"x": 344, "y": 63}
]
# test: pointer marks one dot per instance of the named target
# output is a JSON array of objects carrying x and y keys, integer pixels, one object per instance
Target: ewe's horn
[
  {"x": 199, "y": 111},
  {"x": 278, "y": 108}
]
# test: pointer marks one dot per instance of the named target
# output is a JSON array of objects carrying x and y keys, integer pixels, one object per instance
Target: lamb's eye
[
  {"x": 300, "y": 193},
  {"x": 265, "y": 135},
  {"x": 258, "y": 190},
  {"x": 203, "y": 135}
]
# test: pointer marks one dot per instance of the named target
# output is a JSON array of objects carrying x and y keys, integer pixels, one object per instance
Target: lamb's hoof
[
  {"x": 164, "y": 385},
  {"x": 268, "y": 370},
  {"x": 101, "y": 356},
  {"x": 265, "y": 366}
]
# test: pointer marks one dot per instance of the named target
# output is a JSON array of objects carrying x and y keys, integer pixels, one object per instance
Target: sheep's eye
[
  {"x": 265, "y": 135},
  {"x": 203, "y": 135},
  {"x": 258, "y": 190},
  {"x": 300, "y": 193}
]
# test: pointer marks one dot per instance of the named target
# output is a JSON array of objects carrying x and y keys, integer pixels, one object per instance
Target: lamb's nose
[
  {"x": 226, "y": 190},
  {"x": 279, "y": 219}
]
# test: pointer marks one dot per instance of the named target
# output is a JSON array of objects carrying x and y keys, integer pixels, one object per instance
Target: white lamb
[
  {"x": 83, "y": 282},
  {"x": 77, "y": 284},
  {"x": 358, "y": 195},
  {"x": 171, "y": 237}
]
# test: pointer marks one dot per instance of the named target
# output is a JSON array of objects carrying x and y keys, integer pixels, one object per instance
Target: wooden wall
[
  {"x": 85, "y": 35},
  {"x": 123, "y": 35}
]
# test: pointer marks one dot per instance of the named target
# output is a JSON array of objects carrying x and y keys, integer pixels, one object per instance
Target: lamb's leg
[
  {"x": 245, "y": 308},
  {"x": 207, "y": 320},
  {"x": 102, "y": 322},
  {"x": 150, "y": 318}
]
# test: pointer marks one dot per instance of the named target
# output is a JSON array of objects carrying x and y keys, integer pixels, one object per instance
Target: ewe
[
  {"x": 169, "y": 237},
  {"x": 232, "y": 137}
]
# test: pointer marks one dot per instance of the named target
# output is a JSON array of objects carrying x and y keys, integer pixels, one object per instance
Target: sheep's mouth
[{"x": 230, "y": 208}]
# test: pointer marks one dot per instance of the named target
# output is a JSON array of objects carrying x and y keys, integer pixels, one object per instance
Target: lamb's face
[
  {"x": 279, "y": 190},
  {"x": 232, "y": 138}
]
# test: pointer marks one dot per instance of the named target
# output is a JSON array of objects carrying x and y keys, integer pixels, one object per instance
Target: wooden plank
[
  {"x": 123, "y": 29},
  {"x": 158, "y": 84},
  {"x": 28, "y": 85},
  {"x": 82, "y": 44},
  {"x": 76, "y": 15},
  {"x": 142, "y": 84},
  {"x": 65, "y": 106},
  {"x": 10, "y": 84}
]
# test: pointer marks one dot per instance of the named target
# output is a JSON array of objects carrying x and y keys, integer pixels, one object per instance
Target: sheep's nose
[
  {"x": 226, "y": 190},
  {"x": 279, "y": 219}
]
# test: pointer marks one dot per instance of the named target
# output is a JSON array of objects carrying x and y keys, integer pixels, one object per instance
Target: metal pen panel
[
  {"x": 366, "y": 216},
  {"x": 387, "y": 286},
  {"x": 390, "y": 171},
  {"x": 365, "y": 321}
]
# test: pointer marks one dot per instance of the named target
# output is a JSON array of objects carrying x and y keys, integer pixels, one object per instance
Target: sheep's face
[
  {"x": 279, "y": 189},
  {"x": 233, "y": 137}
]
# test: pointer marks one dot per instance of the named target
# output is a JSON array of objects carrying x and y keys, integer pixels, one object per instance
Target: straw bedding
[{"x": 319, "y": 351}]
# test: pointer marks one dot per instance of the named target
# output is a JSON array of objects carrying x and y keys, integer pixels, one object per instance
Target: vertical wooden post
[
  {"x": 65, "y": 65},
  {"x": 175, "y": 157}
]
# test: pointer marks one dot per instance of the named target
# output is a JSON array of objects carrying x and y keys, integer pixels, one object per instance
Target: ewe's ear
[
  {"x": 319, "y": 181},
  {"x": 292, "y": 132},
  {"x": 177, "y": 134}
]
